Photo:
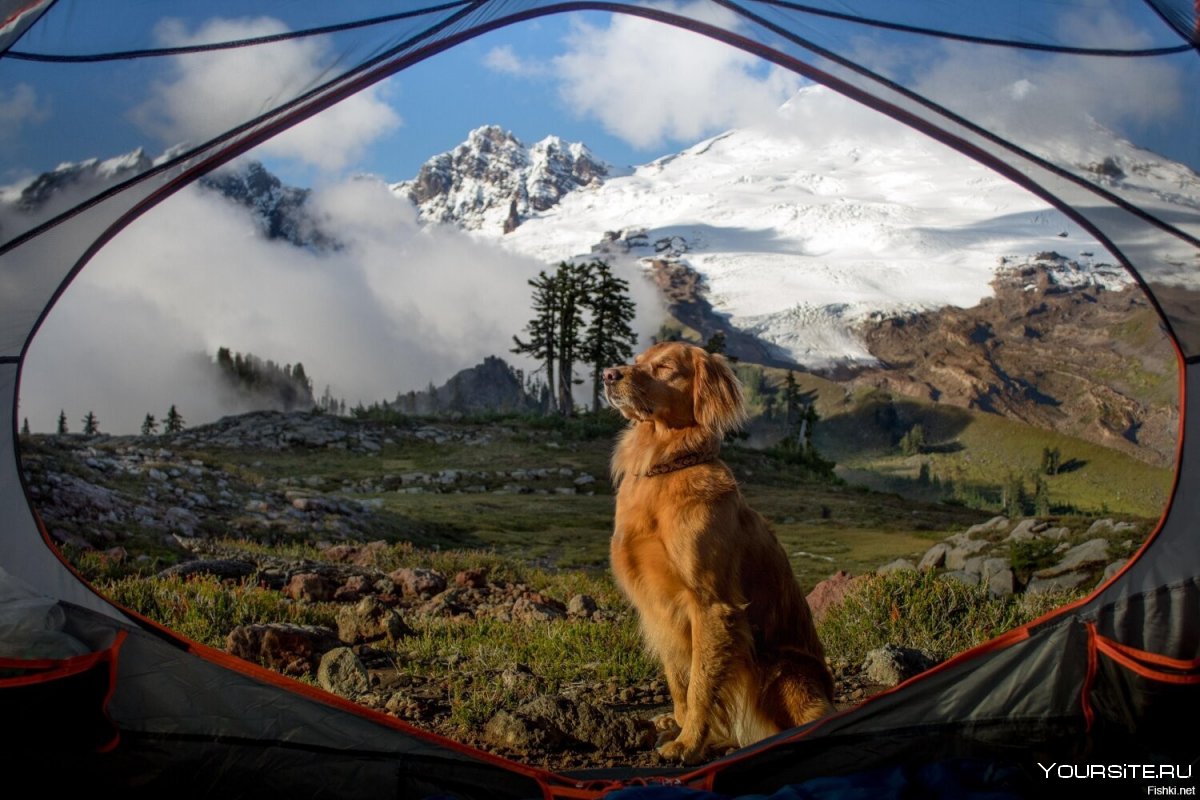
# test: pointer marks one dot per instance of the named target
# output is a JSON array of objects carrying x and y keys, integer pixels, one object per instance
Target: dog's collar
[{"x": 680, "y": 462}]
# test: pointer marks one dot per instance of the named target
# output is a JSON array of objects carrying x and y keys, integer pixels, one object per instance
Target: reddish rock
[
  {"x": 419, "y": 583},
  {"x": 311, "y": 587},
  {"x": 830, "y": 593},
  {"x": 291, "y": 649},
  {"x": 475, "y": 578}
]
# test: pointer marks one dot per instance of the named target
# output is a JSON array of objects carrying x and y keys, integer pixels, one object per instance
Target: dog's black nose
[{"x": 612, "y": 374}]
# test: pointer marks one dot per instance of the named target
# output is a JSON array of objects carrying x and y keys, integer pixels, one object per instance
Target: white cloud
[
  {"x": 647, "y": 82},
  {"x": 1038, "y": 98},
  {"x": 207, "y": 93},
  {"x": 20, "y": 106},
  {"x": 505, "y": 60},
  {"x": 396, "y": 308}
]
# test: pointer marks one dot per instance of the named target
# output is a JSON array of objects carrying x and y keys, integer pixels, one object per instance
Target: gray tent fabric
[{"x": 1108, "y": 677}]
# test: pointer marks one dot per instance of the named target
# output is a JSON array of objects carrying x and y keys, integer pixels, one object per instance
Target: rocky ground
[{"x": 166, "y": 509}]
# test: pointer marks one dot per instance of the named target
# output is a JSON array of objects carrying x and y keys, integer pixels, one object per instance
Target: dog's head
[{"x": 680, "y": 386}]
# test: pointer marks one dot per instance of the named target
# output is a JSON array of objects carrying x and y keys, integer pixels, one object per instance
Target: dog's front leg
[{"x": 718, "y": 632}]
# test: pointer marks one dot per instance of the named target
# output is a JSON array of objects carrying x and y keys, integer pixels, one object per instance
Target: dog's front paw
[
  {"x": 667, "y": 727},
  {"x": 682, "y": 752}
]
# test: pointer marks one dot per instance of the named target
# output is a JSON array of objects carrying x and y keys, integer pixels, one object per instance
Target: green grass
[
  {"x": 986, "y": 447},
  {"x": 940, "y": 617},
  {"x": 206, "y": 610}
]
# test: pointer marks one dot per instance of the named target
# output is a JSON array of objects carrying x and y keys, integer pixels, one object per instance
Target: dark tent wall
[{"x": 1064, "y": 680}]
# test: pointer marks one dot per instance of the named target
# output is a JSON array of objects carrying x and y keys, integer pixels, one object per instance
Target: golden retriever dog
[{"x": 716, "y": 596}]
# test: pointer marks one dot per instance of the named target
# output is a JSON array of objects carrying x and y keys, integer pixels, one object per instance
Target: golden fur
[{"x": 716, "y": 596}]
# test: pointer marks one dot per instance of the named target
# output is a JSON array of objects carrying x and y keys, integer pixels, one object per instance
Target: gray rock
[
  {"x": 974, "y": 565},
  {"x": 1113, "y": 569},
  {"x": 899, "y": 565},
  {"x": 934, "y": 557},
  {"x": 556, "y": 722},
  {"x": 1058, "y": 583},
  {"x": 222, "y": 568},
  {"x": 1105, "y": 527},
  {"x": 891, "y": 664},
  {"x": 956, "y": 557},
  {"x": 1080, "y": 557},
  {"x": 581, "y": 605},
  {"x": 993, "y": 525},
  {"x": 342, "y": 673},
  {"x": 962, "y": 576},
  {"x": 1001, "y": 583}
]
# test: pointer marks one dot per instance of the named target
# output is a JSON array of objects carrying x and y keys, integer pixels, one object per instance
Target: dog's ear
[{"x": 717, "y": 402}]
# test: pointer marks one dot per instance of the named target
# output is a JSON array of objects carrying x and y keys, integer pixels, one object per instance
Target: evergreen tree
[
  {"x": 91, "y": 425},
  {"x": 610, "y": 338},
  {"x": 1051, "y": 461},
  {"x": 173, "y": 422},
  {"x": 1041, "y": 496},
  {"x": 25, "y": 427},
  {"x": 574, "y": 288},
  {"x": 543, "y": 328},
  {"x": 62, "y": 422},
  {"x": 1012, "y": 497},
  {"x": 791, "y": 399},
  {"x": 913, "y": 442},
  {"x": 716, "y": 343},
  {"x": 149, "y": 425}
]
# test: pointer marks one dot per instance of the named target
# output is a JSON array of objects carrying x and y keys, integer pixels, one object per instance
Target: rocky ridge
[
  {"x": 1059, "y": 347},
  {"x": 493, "y": 181}
]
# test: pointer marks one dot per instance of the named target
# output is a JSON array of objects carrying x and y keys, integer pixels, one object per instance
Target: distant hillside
[
  {"x": 490, "y": 386},
  {"x": 1058, "y": 347}
]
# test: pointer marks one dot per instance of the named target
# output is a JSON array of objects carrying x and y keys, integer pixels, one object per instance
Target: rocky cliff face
[
  {"x": 1056, "y": 347},
  {"x": 280, "y": 211},
  {"x": 492, "y": 181}
]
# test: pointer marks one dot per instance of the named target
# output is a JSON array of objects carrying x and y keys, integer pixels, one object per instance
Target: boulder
[
  {"x": 342, "y": 673},
  {"x": 369, "y": 621},
  {"x": 899, "y": 565},
  {"x": 311, "y": 587},
  {"x": 419, "y": 583},
  {"x": 550, "y": 721},
  {"x": 287, "y": 648},
  {"x": 581, "y": 605},
  {"x": 891, "y": 664},
  {"x": 1084, "y": 556},
  {"x": 934, "y": 557},
  {"x": 830, "y": 593}
]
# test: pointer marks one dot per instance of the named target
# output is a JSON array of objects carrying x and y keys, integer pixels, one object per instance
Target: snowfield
[{"x": 800, "y": 235}]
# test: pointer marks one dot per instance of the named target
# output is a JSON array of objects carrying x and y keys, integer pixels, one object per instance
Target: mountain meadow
[{"x": 450, "y": 569}]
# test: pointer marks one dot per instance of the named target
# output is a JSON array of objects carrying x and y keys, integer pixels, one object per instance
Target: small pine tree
[
  {"x": 1041, "y": 496},
  {"x": 149, "y": 425},
  {"x": 25, "y": 427},
  {"x": 91, "y": 425},
  {"x": 1051, "y": 461},
  {"x": 62, "y": 422},
  {"x": 173, "y": 422},
  {"x": 609, "y": 338},
  {"x": 716, "y": 343},
  {"x": 1012, "y": 497},
  {"x": 913, "y": 442}
]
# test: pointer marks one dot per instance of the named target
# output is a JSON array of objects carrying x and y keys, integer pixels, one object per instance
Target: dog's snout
[{"x": 612, "y": 375}]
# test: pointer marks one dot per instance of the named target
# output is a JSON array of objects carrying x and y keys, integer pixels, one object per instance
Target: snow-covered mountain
[
  {"x": 799, "y": 235},
  {"x": 492, "y": 182}
]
